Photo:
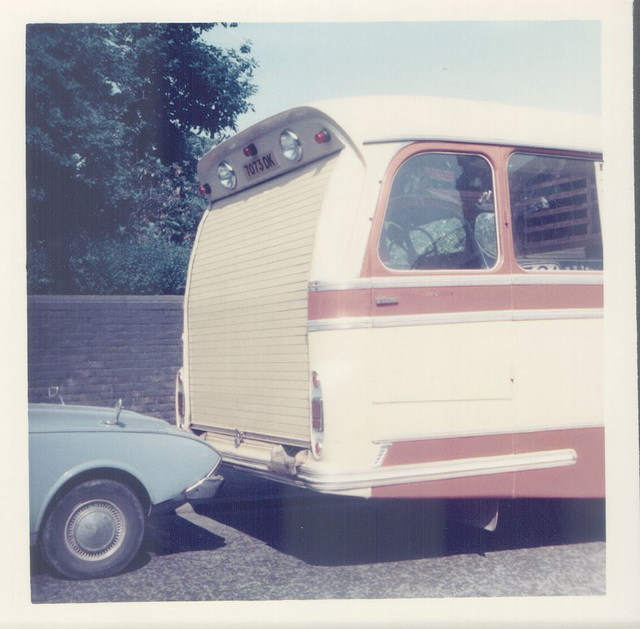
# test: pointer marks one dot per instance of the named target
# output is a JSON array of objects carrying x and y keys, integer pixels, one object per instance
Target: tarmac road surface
[{"x": 261, "y": 541}]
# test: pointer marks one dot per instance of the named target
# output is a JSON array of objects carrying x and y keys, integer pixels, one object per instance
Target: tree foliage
[
  {"x": 124, "y": 264},
  {"x": 117, "y": 116}
]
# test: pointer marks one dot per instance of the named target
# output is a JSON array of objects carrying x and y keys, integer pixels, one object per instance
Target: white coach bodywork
[{"x": 435, "y": 382}]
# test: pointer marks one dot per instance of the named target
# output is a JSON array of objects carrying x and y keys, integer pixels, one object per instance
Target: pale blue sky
[{"x": 542, "y": 64}]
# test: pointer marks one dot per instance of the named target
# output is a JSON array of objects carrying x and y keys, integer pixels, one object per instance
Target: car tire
[{"x": 95, "y": 530}]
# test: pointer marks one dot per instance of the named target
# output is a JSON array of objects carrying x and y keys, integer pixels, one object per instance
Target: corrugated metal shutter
[{"x": 247, "y": 308}]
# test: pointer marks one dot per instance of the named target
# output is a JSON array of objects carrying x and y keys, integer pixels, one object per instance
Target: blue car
[{"x": 95, "y": 474}]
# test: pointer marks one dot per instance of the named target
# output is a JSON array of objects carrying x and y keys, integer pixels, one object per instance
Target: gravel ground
[{"x": 307, "y": 547}]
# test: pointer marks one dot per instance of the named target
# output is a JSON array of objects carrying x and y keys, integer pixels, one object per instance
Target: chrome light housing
[
  {"x": 227, "y": 175},
  {"x": 290, "y": 145}
]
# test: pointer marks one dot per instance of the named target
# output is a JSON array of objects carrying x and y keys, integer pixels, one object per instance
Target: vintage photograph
[{"x": 321, "y": 310}]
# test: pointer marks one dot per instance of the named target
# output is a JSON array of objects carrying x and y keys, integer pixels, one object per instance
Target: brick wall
[{"x": 99, "y": 349}]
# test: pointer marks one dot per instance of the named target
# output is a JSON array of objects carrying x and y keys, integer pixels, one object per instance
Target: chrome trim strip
[
  {"x": 316, "y": 286},
  {"x": 441, "y": 318},
  {"x": 410, "y": 281},
  {"x": 439, "y": 470},
  {"x": 592, "y": 279},
  {"x": 411, "y": 139},
  {"x": 361, "y": 323},
  {"x": 568, "y": 313},
  {"x": 440, "y": 281},
  {"x": 390, "y": 439},
  {"x": 340, "y": 323}
]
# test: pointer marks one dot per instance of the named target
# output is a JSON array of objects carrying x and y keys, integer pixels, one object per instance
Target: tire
[{"x": 95, "y": 530}]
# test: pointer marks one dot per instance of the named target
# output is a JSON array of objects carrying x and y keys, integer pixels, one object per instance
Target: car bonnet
[{"x": 65, "y": 418}]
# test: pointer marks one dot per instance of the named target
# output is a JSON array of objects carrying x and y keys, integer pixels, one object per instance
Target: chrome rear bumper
[{"x": 204, "y": 489}]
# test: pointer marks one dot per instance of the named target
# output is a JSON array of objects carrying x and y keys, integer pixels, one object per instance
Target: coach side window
[
  {"x": 555, "y": 216},
  {"x": 440, "y": 214}
]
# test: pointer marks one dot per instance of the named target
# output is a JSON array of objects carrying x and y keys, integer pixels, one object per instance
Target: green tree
[{"x": 117, "y": 116}]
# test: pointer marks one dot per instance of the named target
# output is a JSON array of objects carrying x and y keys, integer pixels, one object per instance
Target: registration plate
[{"x": 260, "y": 165}]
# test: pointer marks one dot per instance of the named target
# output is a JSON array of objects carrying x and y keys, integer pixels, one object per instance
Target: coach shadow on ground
[{"x": 333, "y": 530}]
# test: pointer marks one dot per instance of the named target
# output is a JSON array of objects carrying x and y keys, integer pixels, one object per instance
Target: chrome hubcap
[{"x": 95, "y": 530}]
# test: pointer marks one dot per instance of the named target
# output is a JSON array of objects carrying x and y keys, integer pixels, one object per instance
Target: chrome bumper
[{"x": 204, "y": 489}]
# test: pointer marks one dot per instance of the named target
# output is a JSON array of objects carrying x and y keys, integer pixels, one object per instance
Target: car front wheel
[{"x": 95, "y": 530}]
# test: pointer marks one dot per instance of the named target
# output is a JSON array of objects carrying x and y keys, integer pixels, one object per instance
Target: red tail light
[
  {"x": 250, "y": 150},
  {"x": 317, "y": 416},
  {"x": 322, "y": 137}
]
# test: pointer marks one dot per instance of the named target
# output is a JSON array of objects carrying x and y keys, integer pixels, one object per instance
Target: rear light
[
  {"x": 180, "y": 411},
  {"x": 290, "y": 145},
  {"x": 322, "y": 137},
  {"x": 317, "y": 416},
  {"x": 250, "y": 150},
  {"x": 181, "y": 404},
  {"x": 227, "y": 175}
]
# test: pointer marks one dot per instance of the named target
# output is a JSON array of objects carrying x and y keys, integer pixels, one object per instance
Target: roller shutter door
[{"x": 247, "y": 308}]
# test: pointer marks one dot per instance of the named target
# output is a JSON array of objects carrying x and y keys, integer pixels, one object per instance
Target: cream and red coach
[{"x": 402, "y": 297}]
